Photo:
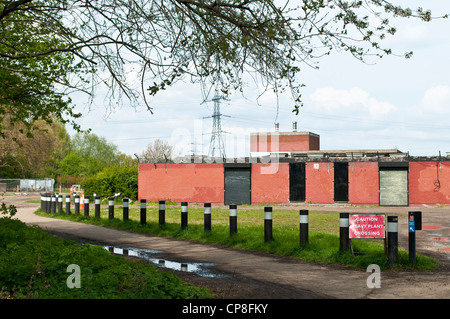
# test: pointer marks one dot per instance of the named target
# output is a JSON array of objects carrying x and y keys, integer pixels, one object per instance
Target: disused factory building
[{"x": 287, "y": 167}]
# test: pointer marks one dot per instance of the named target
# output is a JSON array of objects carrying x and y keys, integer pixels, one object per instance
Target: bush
[{"x": 111, "y": 180}]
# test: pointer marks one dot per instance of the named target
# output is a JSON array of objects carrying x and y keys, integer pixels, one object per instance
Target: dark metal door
[
  {"x": 341, "y": 182},
  {"x": 297, "y": 179},
  {"x": 237, "y": 186}
]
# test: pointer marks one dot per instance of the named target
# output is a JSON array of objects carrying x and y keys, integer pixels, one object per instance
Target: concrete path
[{"x": 311, "y": 280}]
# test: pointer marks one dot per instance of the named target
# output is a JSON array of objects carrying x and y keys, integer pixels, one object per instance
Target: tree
[
  {"x": 214, "y": 42},
  {"x": 71, "y": 165},
  {"x": 29, "y": 78},
  {"x": 35, "y": 157},
  {"x": 90, "y": 154},
  {"x": 157, "y": 152}
]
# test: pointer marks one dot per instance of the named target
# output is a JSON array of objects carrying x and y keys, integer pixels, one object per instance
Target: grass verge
[
  {"x": 322, "y": 247},
  {"x": 34, "y": 264}
]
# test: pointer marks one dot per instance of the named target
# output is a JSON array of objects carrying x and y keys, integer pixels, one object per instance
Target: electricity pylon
[{"x": 216, "y": 145}]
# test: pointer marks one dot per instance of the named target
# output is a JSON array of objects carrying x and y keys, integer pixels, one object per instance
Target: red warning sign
[{"x": 367, "y": 226}]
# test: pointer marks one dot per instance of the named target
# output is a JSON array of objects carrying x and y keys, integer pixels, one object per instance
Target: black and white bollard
[
  {"x": 344, "y": 231},
  {"x": 392, "y": 239},
  {"x": 268, "y": 224},
  {"x": 47, "y": 203},
  {"x": 143, "y": 211},
  {"x": 77, "y": 204},
  {"x": 53, "y": 196},
  {"x": 233, "y": 219},
  {"x": 44, "y": 202},
  {"x": 304, "y": 226},
  {"x": 86, "y": 205},
  {"x": 162, "y": 212},
  {"x": 110, "y": 208},
  {"x": 184, "y": 215},
  {"x": 97, "y": 206},
  {"x": 207, "y": 216},
  {"x": 60, "y": 203},
  {"x": 125, "y": 209},
  {"x": 67, "y": 204}
]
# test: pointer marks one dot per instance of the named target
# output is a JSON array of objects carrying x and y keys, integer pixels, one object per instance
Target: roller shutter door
[
  {"x": 394, "y": 186},
  {"x": 237, "y": 186}
]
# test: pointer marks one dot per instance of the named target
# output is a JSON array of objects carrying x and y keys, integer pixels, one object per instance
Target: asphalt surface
[{"x": 305, "y": 280}]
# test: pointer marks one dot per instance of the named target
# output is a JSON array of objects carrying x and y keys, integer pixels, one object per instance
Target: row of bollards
[
  {"x": 48, "y": 199},
  {"x": 52, "y": 202}
]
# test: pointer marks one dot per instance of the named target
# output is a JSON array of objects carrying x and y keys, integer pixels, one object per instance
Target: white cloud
[
  {"x": 436, "y": 100},
  {"x": 354, "y": 100}
]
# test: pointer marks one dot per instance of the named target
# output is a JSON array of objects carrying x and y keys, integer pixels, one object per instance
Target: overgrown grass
[
  {"x": 33, "y": 264},
  {"x": 323, "y": 245}
]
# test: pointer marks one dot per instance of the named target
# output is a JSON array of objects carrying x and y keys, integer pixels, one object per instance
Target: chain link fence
[{"x": 27, "y": 185}]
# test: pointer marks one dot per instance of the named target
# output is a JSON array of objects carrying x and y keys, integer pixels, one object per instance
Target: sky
[{"x": 386, "y": 103}]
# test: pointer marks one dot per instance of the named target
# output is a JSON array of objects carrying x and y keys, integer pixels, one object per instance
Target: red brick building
[{"x": 296, "y": 170}]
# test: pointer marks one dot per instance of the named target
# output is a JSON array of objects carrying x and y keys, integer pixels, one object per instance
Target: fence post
[
  {"x": 143, "y": 211},
  {"x": 86, "y": 205},
  {"x": 162, "y": 212},
  {"x": 126, "y": 202},
  {"x": 184, "y": 215},
  {"x": 207, "y": 216},
  {"x": 233, "y": 219},
  {"x": 344, "y": 232},
  {"x": 268, "y": 224},
  {"x": 77, "y": 204},
  {"x": 67, "y": 204},
  {"x": 60, "y": 200},
  {"x": 97, "y": 206},
  {"x": 110, "y": 208},
  {"x": 392, "y": 239},
  {"x": 304, "y": 226}
]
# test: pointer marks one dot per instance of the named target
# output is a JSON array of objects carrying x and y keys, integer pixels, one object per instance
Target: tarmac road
[{"x": 299, "y": 279}]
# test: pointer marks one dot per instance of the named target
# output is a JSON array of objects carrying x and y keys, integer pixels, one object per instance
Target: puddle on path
[{"x": 200, "y": 269}]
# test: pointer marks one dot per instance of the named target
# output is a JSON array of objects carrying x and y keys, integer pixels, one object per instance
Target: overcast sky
[{"x": 391, "y": 103}]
